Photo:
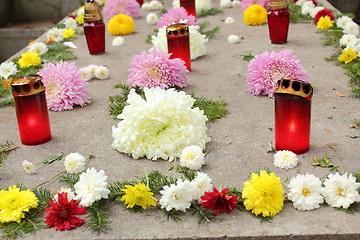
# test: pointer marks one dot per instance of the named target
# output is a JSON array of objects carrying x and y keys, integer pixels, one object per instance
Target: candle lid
[
  {"x": 92, "y": 11},
  {"x": 177, "y": 30},
  {"x": 294, "y": 87},
  {"x": 27, "y": 85},
  {"x": 278, "y": 4}
]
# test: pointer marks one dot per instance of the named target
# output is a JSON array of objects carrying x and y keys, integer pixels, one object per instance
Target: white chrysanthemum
[
  {"x": 38, "y": 47},
  {"x": 340, "y": 22},
  {"x": 55, "y": 34},
  {"x": 341, "y": 190},
  {"x": 87, "y": 73},
  {"x": 357, "y": 49},
  {"x": 306, "y": 7},
  {"x": 315, "y": 10},
  {"x": 348, "y": 40},
  {"x": 301, "y": 2},
  {"x": 91, "y": 187},
  {"x": 197, "y": 41},
  {"x": 233, "y": 38},
  {"x": 159, "y": 126},
  {"x": 69, "y": 191},
  {"x": 229, "y": 20},
  {"x": 225, "y": 4},
  {"x": 192, "y": 157},
  {"x": 74, "y": 163},
  {"x": 201, "y": 183},
  {"x": 155, "y": 5},
  {"x": 236, "y": 4},
  {"x": 351, "y": 28},
  {"x": 146, "y": 6},
  {"x": 81, "y": 11},
  {"x": 70, "y": 23},
  {"x": 92, "y": 68},
  {"x": 177, "y": 196},
  {"x": 7, "y": 69},
  {"x": 29, "y": 167},
  {"x": 200, "y": 5},
  {"x": 305, "y": 192},
  {"x": 152, "y": 18},
  {"x": 285, "y": 159},
  {"x": 102, "y": 72},
  {"x": 118, "y": 41}
]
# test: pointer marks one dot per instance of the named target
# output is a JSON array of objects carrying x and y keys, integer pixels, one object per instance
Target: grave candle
[
  {"x": 189, "y": 6},
  {"x": 94, "y": 28},
  {"x": 278, "y": 21}
]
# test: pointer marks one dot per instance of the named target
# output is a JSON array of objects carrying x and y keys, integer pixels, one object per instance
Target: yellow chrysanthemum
[
  {"x": 255, "y": 15},
  {"x": 348, "y": 55},
  {"x": 263, "y": 194},
  {"x": 14, "y": 202},
  {"x": 29, "y": 59},
  {"x": 80, "y": 19},
  {"x": 324, "y": 23},
  {"x": 139, "y": 195},
  {"x": 69, "y": 33},
  {"x": 121, "y": 24}
]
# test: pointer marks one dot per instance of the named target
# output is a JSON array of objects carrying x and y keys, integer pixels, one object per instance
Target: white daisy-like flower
[
  {"x": 306, "y": 7},
  {"x": 159, "y": 126},
  {"x": 101, "y": 72},
  {"x": 305, "y": 192},
  {"x": 201, "y": 183},
  {"x": 87, "y": 73},
  {"x": 357, "y": 49},
  {"x": 7, "y": 69},
  {"x": 229, "y": 20},
  {"x": 233, "y": 38},
  {"x": 38, "y": 47},
  {"x": 301, "y": 2},
  {"x": 146, "y": 6},
  {"x": 351, "y": 28},
  {"x": 177, "y": 196},
  {"x": 118, "y": 41},
  {"x": 348, "y": 40},
  {"x": 236, "y": 4},
  {"x": 340, "y": 22},
  {"x": 91, "y": 187},
  {"x": 341, "y": 190},
  {"x": 69, "y": 191},
  {"x": 70, "y": 23},
  {"x": 92, "y": 68},
  {"x": 152, "y": 18},
  {"x": 29, "y": 167},
  {"x": 74, "y": 163},
  {"x": 55, "y": 34},
  {"x": 192, "y": 157},
  {"x": 155, "y": 5},
  {"x": 225, "y": 4},
  {"x": 315, "y": 10},
  {"x": 285, "y": 159},
  {"x": 81, "y": 11}
]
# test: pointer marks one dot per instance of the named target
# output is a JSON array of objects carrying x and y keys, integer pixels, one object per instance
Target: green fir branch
[
  {"x": 69, "y": 179},
  {"x": 211, "y": 11},
  {"x": 203, "y": 214},
  {"x": 99, "y": 214},
  {"x": 172, "y": 214},
  {"x": 296, "y": 15},
  {"x": 186, "y": 172},
  {"x": 116, "y": 191},
  {"x": 208, "y": 33},
  {"x": 156, "y": 181}
]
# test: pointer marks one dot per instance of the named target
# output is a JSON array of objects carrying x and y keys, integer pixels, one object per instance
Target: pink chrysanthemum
[
  {"x": 155, "y": 69},
  {"x": 115, "y": 7},
  {"x": 246, "y": 3},
  {"x": 267, "y": 68},
  {"x": 64, "y": 86},
  {"x": 323, "y": 13},
  {"x": 176, "y": 15}
]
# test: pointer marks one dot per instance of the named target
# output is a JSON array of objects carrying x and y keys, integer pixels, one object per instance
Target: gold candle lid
[
  {"x": 92, "y": 11},
  {"x": 294, "y": 87},
  {"x": 177, "y": 30},
  {"x": 27, "y": 85},
  {"x": 278, "y": 4}
]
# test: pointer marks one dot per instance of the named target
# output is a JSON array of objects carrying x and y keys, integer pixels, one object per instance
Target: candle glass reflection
[{"x": 189, "y": 6}]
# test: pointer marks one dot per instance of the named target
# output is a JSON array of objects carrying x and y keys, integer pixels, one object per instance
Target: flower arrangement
[
  {"x": 121, "y": 24},
  {"x": 115, "y": 7},
  {"x": 176, "y": 15},
  {"x": 255, "y": 15},
  {"x": 247, "y": 3}
]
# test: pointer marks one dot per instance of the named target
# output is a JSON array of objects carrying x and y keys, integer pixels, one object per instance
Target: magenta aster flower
[
  {"x": 267, "y": 68},
  {"x": 155, "y": 69},
  {"x": 64, "y": 86},
  {"x": 115, "y": 7},
  {"x": 246, "y": 3},
  {"x": 176, "y": 15}
]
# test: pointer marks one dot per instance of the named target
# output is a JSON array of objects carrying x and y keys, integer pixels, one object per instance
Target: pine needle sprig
[
  {"x": 99, "y": 214},
  {"x": 156, "y": 181},
  {"x": 186, "y": 172},
  {"x": 5, "y": 148},
  {"x": 211, "y": 11},
  {"x": 212, "y": 109},
  {"x": 172, "y": 214},
  {"x": 116, "y": 192},
  {"x": 203, "y": 214},
  {"x": 69, "y": 179}
]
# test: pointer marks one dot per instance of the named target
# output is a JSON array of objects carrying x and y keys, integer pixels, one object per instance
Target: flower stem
[
  {"x": 60, "y": 173},
  {"x": 337, "y": 158}
]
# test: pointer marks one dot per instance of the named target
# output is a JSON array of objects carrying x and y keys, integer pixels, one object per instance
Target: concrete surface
[{"x": 239, "y": 140}]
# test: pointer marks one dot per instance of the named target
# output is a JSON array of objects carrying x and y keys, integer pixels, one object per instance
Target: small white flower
[
  {"x": 340, "y": 22},
  {"x": 351, "y": 28},
  {"x": 301, "y": 2},
  {"x": 152, "y": 18},
  {"x": 201, "y": 183},
  {"x": 29, "y": 167},
  {"x": 87, "y": 73},
  {"x": 285, "y": 159},
  {"x": 81, "y": 11},
  {"x": 155, "y": 5},
  {"x": 146, "y": 6},
  {"x": 177, "y": 196},
  {"x": 236, "y": 4},
  {"x": 70, "y": 45},
  {"x": 315, "y": 10},
  {"x": 341, "y": 190},
  {"x": 229, "y": 20},
  {"x": 348, "y": 40},
  {"x": 38, "y": 47},
  {"x": 225, "y": 3},
  {"x": 55, "y": 34},
  {"x": 192, "y": 157},
  {"x": 74, "y": 163},
  {"x": 306, "y": 7},
  {"x": 7, "y": 69},
  {"x": 233, "y": 38},
  {"x": 101, "y": 72},
  {"x": 70, "y": 194},
  {"x": 305, "y": 192},
  {"x": 91, "y": 187},
  {"x": 118, "y": 41},
  {"x": 70, "y": 23},
  {"x": 357, "y": 49}
]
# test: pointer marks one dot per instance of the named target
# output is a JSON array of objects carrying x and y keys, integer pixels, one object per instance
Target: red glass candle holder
[
  {"x": 292, "y": 115},
  {"x": 31, "y": 110},
  {"x": 178, "y": 42},
  {"x": 94, "y": 28},
  {"x": 140, "y": 2},
  {"x": 278, "y": 21},
  {"x": 189, "y": 6}
]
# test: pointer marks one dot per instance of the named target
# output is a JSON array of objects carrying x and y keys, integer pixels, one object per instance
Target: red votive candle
[
  {"x": 189, "y": 6},
  {"x": 140, "y": 2},
  {"x": 94, "y": 28},
  {"x": 178, "y": 42},
  {"x": 278, "y": 21},
  {"x": 31, "y": 110},
  {"x": 292, "y": 115}
]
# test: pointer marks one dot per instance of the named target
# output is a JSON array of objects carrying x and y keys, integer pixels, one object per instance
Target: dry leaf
[{"x": 340, "y": 94}]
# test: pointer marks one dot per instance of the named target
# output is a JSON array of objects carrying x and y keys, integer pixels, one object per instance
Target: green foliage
[
  {"x": 115, "y": 189},
  {"x": 148, "y": 38},
  {"x": 186, "y": 172},
  {"x": 52, "y": 159},
  {"x": 5, "y": 148},
  {"x": 296, "y": 15},
  {"x": 323, "y": 162},
  {"x": 211, "y": 11},
  {"x": 99, "y": 214},
  {"x": 247, "y": 57},
  {"x": 209, "y": 33},
  {"x": 332, "y": 36},
  {"x": 69, "y": 179},
  {"x": 202, "y": 213}
]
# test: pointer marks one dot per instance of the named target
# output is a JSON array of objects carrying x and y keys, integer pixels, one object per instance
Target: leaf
[
  {"x": 52, "y": 159},
  {"x": 322, "y": 162},
  {"x": 211, "y": 11},
  {"x": 340, "y": 94},
  {"x": 247, "y": 57}
]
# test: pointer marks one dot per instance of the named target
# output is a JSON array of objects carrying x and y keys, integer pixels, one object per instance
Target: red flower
[
  {"x": 72, "y": 16},
  {"x": 323, "y": 13},
  {"x": 61, "y": 214},
  {"x": 219, "y": 202}
]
